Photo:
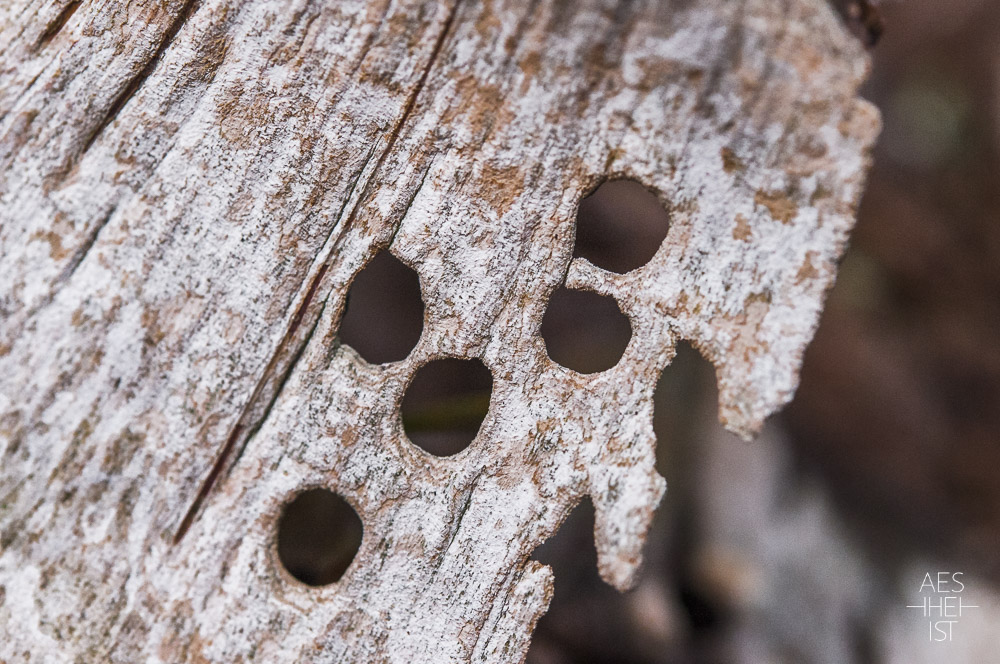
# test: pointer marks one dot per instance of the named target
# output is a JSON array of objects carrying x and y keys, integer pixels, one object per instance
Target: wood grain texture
[{"x": 188, "y": 188}]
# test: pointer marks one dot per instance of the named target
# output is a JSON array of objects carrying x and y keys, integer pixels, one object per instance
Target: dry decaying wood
[{"x": 188, "y": 188}]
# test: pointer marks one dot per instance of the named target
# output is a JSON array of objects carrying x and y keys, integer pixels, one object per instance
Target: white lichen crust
[{"x": 187, "y": 189}]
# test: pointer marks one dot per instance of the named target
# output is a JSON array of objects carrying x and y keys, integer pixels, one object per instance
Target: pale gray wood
[{"x": 187, "y": 190}]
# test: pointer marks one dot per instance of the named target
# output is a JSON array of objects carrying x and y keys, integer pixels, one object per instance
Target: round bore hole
[
  {"x": 620, "y": 226},
  {"x": 384, "y": 315},
  {"x": 445, "y": 404},
  {"x": 584, "y": 331},
  {"x": 319, "y": 534}
]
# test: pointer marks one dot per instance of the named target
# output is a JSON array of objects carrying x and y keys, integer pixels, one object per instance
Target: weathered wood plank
[{"x": 188, "y": 189}]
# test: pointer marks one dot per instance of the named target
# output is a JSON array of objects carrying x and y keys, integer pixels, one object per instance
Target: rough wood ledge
[{"x": 187, "y": 189}]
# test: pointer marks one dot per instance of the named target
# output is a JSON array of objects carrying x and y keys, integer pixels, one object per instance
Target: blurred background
[
  {"x": 809, "y": 544},
  {"x": 813, "y": 542}
]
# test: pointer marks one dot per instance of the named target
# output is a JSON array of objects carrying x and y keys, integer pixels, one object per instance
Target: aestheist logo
[{"x": 943, "y": 604}]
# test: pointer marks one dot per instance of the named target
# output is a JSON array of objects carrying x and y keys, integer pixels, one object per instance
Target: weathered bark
[{"x": 188, "y": 188}]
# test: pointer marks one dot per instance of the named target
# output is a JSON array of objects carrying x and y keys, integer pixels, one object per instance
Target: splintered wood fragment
[{"x": 187, "y": 190}]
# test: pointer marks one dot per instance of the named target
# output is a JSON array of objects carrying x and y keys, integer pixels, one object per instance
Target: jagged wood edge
[{"x": 461, "y": 135}]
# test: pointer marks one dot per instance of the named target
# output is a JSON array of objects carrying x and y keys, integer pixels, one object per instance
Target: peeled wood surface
[{"x": 187, "y": 189}]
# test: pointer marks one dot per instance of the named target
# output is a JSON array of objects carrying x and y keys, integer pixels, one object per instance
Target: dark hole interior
[
  {"x": 584, "y": 331},
  {"x": 384, "y": 314},
  {"x": 620, "y": 226},
  {"x": 446, "y": 403},
  {"x": 319, "y": 534}
]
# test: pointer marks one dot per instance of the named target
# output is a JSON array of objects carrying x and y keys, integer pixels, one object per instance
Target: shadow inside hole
[
  {"x": 384, "y": 313},
  {"x": 319, "y": 534},
  {"x": 584, "y": 331},
  {"x": 445, "y": 404},
  {"x": 620, "y": 226}
]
